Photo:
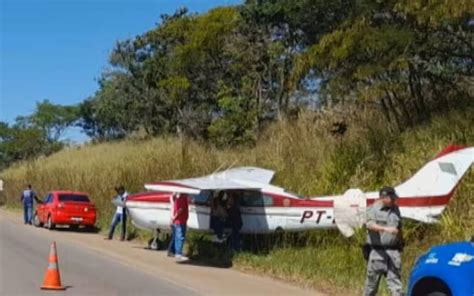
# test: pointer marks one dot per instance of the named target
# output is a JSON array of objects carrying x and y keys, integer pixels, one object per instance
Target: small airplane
[{"x": 266, "y": 208}]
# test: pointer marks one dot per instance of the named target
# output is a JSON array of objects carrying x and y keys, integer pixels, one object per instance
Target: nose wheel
[{"x": 155, "y": 243}]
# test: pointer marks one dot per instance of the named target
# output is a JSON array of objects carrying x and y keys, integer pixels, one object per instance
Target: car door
[
  {"x": 45, "y": 208},
  {"x": 40, "y": 209}
]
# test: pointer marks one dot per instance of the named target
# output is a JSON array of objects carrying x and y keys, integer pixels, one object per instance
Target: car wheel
[
  {"x": 431, "y": 286},
  {"x": 36, "y": 221},
  {"x": 50, "y": 224}
]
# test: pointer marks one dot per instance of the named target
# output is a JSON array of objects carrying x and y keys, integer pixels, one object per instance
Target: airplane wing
[
  {"x": 195, "y": 185},
  {"x": 237, "y": 178},
  {"x": 251, "y": 174}
]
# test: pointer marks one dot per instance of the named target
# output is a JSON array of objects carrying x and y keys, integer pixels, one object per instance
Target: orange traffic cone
[{"x": 52, "y": 279}]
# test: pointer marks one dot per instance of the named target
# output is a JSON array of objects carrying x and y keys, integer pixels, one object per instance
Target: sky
[{"x": 57, "y": 49}]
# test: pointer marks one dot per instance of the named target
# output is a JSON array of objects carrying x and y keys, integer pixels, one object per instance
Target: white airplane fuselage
[{"x": 267, "y": 208}]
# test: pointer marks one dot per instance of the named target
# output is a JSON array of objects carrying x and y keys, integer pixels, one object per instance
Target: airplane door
[
  {"x": 253, "y": 206},
  {"x": 349, "y": 211},
  {"x": 200, "y": 211}
]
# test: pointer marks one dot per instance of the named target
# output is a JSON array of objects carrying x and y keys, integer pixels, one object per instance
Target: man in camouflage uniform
[{"x": 385, "y": 239}]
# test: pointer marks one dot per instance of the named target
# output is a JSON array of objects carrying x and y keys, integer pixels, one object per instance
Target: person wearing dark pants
[
  {"x": 218, "y": 218},
  {"x": 120, "y": 215},
  {"x": 235, "y": 220},
  {"x": 385, "y": 239},
  {"x": 27, "y": 198}
]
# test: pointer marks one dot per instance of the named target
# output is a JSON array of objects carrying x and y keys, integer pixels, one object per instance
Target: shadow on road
[
  {"x": 206, "y": 253},
  {"x": 77, "y": 229}
]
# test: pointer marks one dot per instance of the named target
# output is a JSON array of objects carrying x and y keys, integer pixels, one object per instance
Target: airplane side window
[
  {"x": 267, "y": 200},
  {"x": 202, "y": 197},
  {"x": 256, "y": 199}
]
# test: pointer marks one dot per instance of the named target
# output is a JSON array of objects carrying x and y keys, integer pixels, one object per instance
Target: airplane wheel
[
  {"x": 154, "y": 244},
  {"x": 36, "y": 221}
]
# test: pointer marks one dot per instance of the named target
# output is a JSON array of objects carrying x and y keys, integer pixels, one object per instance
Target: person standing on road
[
  {"x": 120, "y": 215},
  {"x": 171, "y": 247},
  {"x": 27, "y": 198},
  {"x": 385, "y": 241},
  {"x": 180, "y": 219}
]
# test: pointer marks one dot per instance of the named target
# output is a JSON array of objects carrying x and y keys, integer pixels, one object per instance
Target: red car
[{"x": 65, "y": 208}]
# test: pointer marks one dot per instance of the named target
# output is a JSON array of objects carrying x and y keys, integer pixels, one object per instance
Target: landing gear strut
[{"x": 155, "y": 243}]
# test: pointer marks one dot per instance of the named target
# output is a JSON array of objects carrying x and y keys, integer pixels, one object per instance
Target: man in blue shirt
[{"x": 27, "y": 198}]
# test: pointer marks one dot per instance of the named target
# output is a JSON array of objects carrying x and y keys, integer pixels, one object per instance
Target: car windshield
[{"x": 73, "y": 197}]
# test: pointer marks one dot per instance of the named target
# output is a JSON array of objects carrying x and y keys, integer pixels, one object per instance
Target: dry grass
[{"x": 308, "y": 160}]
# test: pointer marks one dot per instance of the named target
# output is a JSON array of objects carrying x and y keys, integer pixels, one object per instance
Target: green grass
[{"x": 307, "y": 159}]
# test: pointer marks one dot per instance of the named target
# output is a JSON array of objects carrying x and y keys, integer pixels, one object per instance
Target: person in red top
[{"x": 180, "y": 219}]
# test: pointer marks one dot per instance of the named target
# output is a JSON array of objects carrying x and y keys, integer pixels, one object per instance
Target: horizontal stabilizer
[
  {"x": 421, "y": 217},
  {"x": 349, "y": 211}
]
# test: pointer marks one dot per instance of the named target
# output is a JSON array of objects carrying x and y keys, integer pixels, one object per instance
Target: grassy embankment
[{"x": 307, "y": 159}]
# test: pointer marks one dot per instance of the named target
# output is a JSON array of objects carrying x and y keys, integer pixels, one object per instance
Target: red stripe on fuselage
[
  {"x": 150, "y": 197},
  {"x": 424, "y": 201}
]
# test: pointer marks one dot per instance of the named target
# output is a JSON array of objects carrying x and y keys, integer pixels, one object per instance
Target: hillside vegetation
[
  {"x": 308, "y": 159},
  {"x": 329, "y": 94}
]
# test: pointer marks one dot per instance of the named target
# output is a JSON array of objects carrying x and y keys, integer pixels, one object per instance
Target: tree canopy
[
  {"x": 39, "y": 133},
  {"x": 221, "y": 76}
]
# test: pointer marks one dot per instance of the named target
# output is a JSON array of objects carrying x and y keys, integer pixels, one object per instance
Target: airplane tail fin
[
  {"x": 440, "y": 176},
  {"x": 425, "y": 195}
]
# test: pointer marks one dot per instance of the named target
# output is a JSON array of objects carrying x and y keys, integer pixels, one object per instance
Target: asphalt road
[
  {"x": 90, "y": 265},
  {"x": 24, "y": 258}
]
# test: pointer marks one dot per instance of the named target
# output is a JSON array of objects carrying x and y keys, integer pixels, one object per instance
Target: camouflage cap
[{"x": 388, "y": 191}]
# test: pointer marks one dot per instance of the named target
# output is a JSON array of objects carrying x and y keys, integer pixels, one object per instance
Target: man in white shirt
[{"x": 120, "y": 214}]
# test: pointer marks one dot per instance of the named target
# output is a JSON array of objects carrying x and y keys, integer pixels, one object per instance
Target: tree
[
  {"x": 233, "y": 68},
  {"x": 51, "y": 119},
  {"x": 392, "y": 56},
  {"x": 18, "y": 143}
]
